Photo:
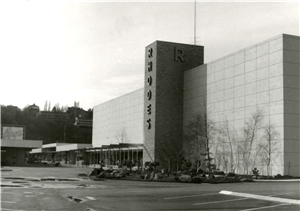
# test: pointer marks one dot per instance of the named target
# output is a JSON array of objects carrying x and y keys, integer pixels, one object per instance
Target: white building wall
[
  {"x": 261, "y": 77},
  {"x": 121, "y": 114},
  {"x": 238, "y": 86}
]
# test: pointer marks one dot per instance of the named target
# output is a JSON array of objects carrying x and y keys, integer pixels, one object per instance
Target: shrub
[
  {"x": 200, "y": 171},
  {"x": 219, "y": 173},
  {"x": 151, "y": 165},
  {"x": 230, "y": 174},
  {"x": 255, "y": 171}
]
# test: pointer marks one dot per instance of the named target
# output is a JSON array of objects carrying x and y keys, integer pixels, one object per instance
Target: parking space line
[
  {"x": 8, "y": 202},
  {"x": 266, "y": 207},
  {"x": 261, "y": 197},
  {"x": 90, "y": 198},
  {"x": 179, "y": 197},
  {"x": 11, "y": 209},
  {"x": 133, "y": 191},
  {"x": 215, "y": 202}
]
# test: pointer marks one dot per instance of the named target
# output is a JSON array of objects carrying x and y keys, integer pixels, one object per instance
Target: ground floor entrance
[
  {"x": 14, "y": 156},
  {"x": 114, "y": 155}
]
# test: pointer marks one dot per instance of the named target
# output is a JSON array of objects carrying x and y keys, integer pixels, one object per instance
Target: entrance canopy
[
  {"x": 112, "y": 147},
  {"x": 59, "y": 147},
  {"x": 70, "y": 147},
  {"x": 47, "y": 148}
]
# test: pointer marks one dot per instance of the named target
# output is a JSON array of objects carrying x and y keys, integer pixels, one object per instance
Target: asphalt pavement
[{"x": 55, "y": 192}]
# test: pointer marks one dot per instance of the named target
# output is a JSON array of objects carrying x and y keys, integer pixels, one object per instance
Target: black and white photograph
[{"x": 150, "y": 105}]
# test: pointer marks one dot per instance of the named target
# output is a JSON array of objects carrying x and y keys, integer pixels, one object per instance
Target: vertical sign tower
[{"x": 165, "y": 63}]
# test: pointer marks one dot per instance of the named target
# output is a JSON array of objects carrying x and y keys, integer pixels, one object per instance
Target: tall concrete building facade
[
  {"x": 262, "y": 81},
  {"x": 163, "y": 97},
  {"x": 119, "y": 120}
]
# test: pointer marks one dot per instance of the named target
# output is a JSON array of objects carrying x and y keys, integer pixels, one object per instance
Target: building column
[
  {"x": 116, "y": 156},
  {"x": 94, "y": 158},
  {"x": 90, "y": 155}
]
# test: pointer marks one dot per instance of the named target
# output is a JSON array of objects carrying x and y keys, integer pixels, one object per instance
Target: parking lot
[{"x": 29, "y": 193}]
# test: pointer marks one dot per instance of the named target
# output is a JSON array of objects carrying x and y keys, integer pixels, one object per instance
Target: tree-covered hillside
[{"x": 37, "y": 127}]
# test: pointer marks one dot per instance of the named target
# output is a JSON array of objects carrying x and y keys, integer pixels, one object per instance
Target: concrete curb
[
  {"x": 43, "y": 179},
  {"x": 6, "y": 169},
  {"x": 276, "y": 180}
]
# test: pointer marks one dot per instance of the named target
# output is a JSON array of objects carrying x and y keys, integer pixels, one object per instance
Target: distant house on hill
[
  {"x": 78, "y": 116},
  {"x": 56, "y": 116},
  {"x": 33, "y": 110}
]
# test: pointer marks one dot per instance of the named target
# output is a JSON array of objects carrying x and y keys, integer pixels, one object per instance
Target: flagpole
[{"x": 195, "y": 23}]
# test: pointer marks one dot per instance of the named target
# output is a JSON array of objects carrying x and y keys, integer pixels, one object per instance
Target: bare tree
[
  {"x": 252, "y": 126},
  {"x": 170, "y": 153},
  {"x": 218, "y": 159},
  {"x": 218, "y": 154},
  {"x": 224, "y": 158},
  {"x": 193, "y": 143},
  {"x": 200, "y": 133},
  {"x": 45, "y": 106},
  {"x": 49, "y": 106},
  {"x": 57, "y": 107},
  {"x": 269, "y": 146},
  {"x": 121, "y": 135},
  {"x": 64, "y": 108},
  {"x": 230, "y": 145}
]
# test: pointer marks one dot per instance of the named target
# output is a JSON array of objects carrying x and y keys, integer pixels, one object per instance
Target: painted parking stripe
[
  {"x": 180, "y": 197},
  {"x": 134, "y": 191},
  {"x": 11, "y": 209},
  {"x": 90, "y": 198},
  {"x": 261, "y": 197},
  {"x": 281, "y": 194},
  {"x": 266, "y": 207},
  {"x": 8, "y": 202},
  {"x": 215, "y": 202}
]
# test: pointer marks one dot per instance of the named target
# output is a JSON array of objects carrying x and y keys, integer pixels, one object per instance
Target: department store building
[{"x": 262, "y": 79}]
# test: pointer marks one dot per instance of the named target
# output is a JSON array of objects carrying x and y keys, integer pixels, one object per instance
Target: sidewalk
[{"x": 43, "y": 171}]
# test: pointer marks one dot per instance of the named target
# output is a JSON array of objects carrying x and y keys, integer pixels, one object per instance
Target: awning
[
  {"x": 121, "y": 146},
  {"x": 71, "y": 147}
]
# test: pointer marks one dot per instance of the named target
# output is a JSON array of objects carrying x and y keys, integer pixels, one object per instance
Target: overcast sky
[{"x": 92, "y": 52}]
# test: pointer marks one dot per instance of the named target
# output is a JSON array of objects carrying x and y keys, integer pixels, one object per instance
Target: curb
[
  {"x": 276, "y": 180},
  {"x": 6, "y": 169},
  {"x": 43, "y": 179}
]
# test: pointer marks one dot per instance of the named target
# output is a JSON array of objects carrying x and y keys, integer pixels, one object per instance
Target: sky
[{"x": 92, "y": 52}]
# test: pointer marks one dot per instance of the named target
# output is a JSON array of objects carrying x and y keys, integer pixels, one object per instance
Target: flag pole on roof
[{"x": 195, "y": 23}]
